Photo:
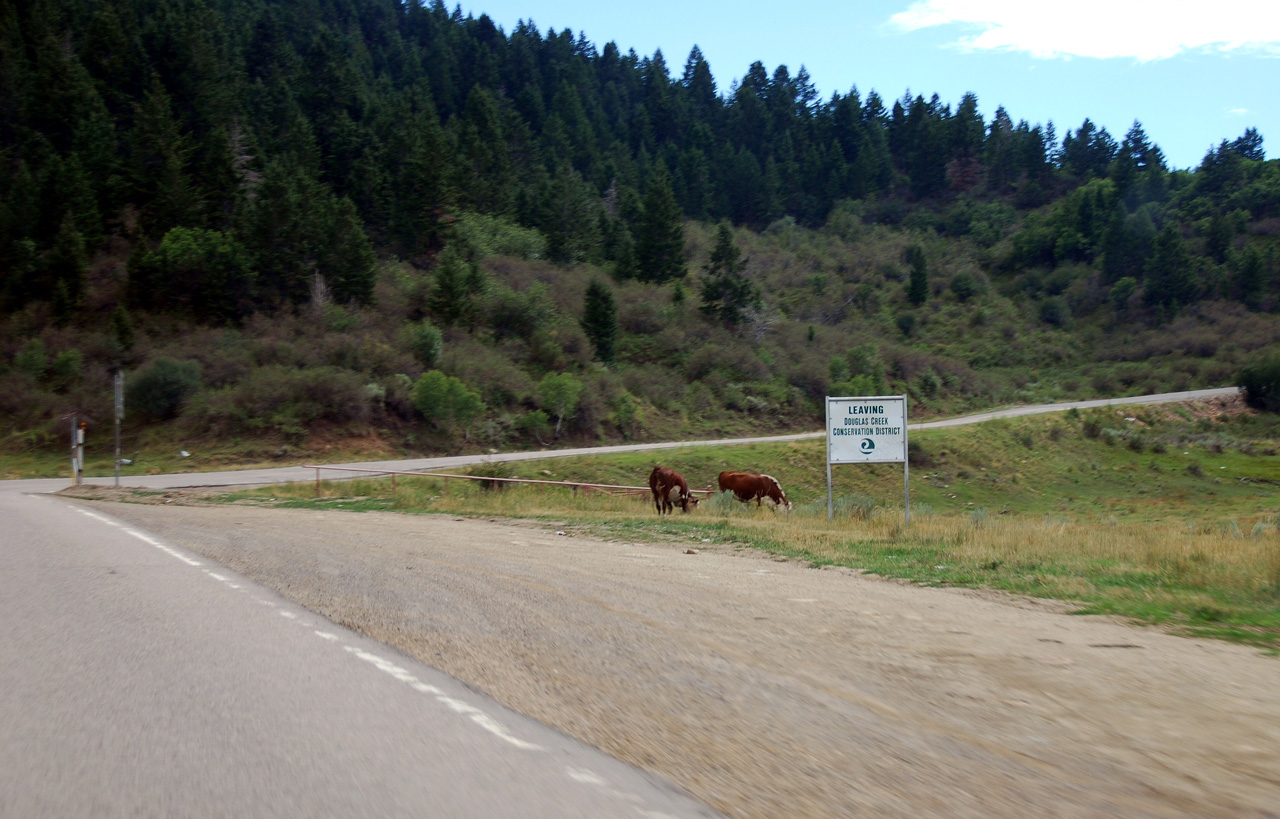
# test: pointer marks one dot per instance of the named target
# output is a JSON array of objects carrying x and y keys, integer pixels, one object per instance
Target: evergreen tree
[
  {"x": 726, "y": 292},
  {"x": 567, "y": 217},
  {"x": 161, "y": 155},
  {"x": 1217, "y": 242},
  {"x": 1249, "y": 145},
  {"x": 421, "y": 179},
  {"x": 487, "y": 172},
  {"x": 1089, "y": 151},
  {"x": 600, "y": 319},
  {"x": 459, "y": 285},
  {"x": 66, "y": 264},
  {"x": 1172, "y": 281},
  {"x": 1249, "y": 277},
  {"x": 122, "y": 330},
  {"x": 918, "y": 282},
  {"x": 660, "y": 237},
  {"x": 297, "y": 229},
  {"x": 343, "y": 256}
]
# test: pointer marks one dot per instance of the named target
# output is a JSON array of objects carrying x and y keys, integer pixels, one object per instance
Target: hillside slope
[{"x": 277, "y": 217}]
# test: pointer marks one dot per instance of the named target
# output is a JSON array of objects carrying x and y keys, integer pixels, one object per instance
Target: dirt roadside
[{"x": 767, "y": 688}]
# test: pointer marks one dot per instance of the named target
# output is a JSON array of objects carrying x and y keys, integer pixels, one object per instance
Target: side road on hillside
[{"x": 290, "y": 474}]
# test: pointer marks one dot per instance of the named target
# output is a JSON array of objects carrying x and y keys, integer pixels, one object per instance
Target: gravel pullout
[{"x": 769, "y": 689}]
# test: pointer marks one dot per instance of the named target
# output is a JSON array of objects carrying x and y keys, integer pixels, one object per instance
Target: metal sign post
[
  {"x": 119, "y": 385},
  {"x": 868, "y": 429}
]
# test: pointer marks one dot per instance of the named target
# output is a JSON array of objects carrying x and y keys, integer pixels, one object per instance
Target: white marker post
[
  {"x": 868, "y": 429},
  {"x": 75, "y": 462}
]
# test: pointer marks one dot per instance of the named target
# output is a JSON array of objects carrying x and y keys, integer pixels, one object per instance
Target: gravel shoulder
[{"x": 767, "y": 688}]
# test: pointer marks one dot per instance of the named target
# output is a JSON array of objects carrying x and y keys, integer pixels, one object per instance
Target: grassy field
[{"x": 1167, "y": 515}]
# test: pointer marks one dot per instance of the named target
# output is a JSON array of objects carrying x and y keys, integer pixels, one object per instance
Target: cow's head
[{"x": 686, "y": 502}]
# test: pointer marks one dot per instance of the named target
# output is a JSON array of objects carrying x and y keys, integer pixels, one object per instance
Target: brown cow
[
  {"x": 748, "y": 486},
  {"x": 669, "y": 490}
]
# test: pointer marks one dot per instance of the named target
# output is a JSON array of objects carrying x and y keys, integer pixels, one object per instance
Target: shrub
[
  {"x": 68, "y": 368},
  {"x": 425, "y": 342},
  {"x": 699, "y": 398},
  {"x": 964, "y": 285},
  {"x": 493, "y": 469},
  {"x": 626, "y": 414},
  {"x": 33, "y": 359},
  {"x": 445, "y": 401},
  {"x": 724, "y": 504},
  {"x": 535, "y": 423},
  {"x": 520, "y": 314},
  {"x": 558, "y": 394},
  {"x": 288, "y": 400},
  {"x": 860, "y": 507},
  {"x": 1054, "y": 311},
  {"x": 657, "y": 384},
  {"x": 1261, "y": 384},
  {"x": 496, "y": 236},
  {"x": 160, "y": 390},
  {"x": 917, "y": 454},
  {"x": 858, "y": 385}
]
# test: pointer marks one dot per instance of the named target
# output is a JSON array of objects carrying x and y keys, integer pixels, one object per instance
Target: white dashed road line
[{"x": 476, "y": 715}]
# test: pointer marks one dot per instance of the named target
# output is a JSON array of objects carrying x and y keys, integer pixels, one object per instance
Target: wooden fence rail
[{"x": 604, "y": 488}]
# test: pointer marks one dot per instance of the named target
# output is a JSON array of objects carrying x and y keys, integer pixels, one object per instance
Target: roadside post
[
  {"x": 77, "y": 451},
  {"x": 119, "y": 385},
  {"x": 868, "y": 429},
  {"x": 75, "y": 464}
]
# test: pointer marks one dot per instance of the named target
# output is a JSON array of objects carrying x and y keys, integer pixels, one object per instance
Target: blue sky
[{"x": 1193, "y": 72}]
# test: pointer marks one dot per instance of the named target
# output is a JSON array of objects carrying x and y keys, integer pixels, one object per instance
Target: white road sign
[{"x": 867, "y": 429}]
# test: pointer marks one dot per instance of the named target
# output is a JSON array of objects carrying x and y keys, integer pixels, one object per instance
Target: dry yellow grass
[{"x": 1217, "y": 580}]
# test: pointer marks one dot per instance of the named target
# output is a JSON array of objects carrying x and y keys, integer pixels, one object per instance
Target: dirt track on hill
[{"x": 769, "y": 689}]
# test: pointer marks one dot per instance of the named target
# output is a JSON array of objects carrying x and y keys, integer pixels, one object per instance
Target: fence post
[
  {"x": 393, "y": 485},
  {"x": 317, "y": 481}
]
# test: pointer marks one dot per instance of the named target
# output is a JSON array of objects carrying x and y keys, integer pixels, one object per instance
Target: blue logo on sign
[{"x": 867, "y": 445}]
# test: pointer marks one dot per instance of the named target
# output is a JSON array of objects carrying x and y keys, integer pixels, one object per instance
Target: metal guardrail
[{"x": 604, "y": 488}]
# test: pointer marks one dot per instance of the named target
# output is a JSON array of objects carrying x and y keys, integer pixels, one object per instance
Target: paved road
[
  {"x": 290, "y": 474},
  {"x": 138, "y": 679}
]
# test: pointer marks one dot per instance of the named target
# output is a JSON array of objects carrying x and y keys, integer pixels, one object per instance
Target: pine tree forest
[{"x": 292, "y": 218}]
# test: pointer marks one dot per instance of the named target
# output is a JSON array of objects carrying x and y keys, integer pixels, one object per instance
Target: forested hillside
[{"x": 368, "y": 217}]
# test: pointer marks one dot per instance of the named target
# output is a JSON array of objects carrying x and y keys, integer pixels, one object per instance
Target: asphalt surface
[{"x": 139, "y": 679}]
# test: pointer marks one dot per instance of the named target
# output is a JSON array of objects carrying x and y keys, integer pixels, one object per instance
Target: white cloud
[
  {"x": 1140, "y": 29},
  {"x": 1237, "y": 112}
]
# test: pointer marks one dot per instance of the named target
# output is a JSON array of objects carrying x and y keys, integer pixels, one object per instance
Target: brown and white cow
[
  {"x": 669, "y": 490},
  {"x": 749, "y": 486}
]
